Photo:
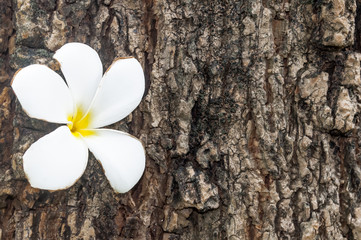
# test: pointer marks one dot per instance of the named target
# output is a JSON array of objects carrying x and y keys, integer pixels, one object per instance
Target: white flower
[{"x": 87, "y": 102}]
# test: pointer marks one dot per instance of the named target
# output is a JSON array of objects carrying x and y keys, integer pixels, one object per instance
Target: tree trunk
[{"x": 251, "y": 119}]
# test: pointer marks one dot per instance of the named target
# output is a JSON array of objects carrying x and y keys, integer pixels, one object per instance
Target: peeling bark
[{"x": 250, "y": 120}]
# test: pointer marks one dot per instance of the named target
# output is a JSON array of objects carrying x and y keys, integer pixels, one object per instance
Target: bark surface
[{"x": 251, "y": 119}]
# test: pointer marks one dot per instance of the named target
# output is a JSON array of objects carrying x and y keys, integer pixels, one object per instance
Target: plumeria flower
[{"x": 86, "y": 103}]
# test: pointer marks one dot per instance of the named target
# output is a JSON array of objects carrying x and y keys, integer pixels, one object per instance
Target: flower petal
[
  {"x": 56, "y": 160},
  {"x": 121, "y": 155},
  {"x": 43, "y": 94},
  {"x": 119, "y": 93},
  {"x": 83, "y": 71}
]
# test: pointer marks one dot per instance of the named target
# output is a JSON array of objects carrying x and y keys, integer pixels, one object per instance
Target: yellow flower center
[{"x": 79, "y": 123}]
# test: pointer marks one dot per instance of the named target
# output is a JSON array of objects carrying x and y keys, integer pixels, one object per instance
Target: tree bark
[{"x": 251, "y": 119}]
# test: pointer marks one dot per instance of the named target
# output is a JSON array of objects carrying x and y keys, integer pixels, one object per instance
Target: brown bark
[{"x": 250, "y": 120}]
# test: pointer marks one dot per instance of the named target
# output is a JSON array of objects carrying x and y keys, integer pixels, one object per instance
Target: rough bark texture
[{"x": 251, "y": 119}]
